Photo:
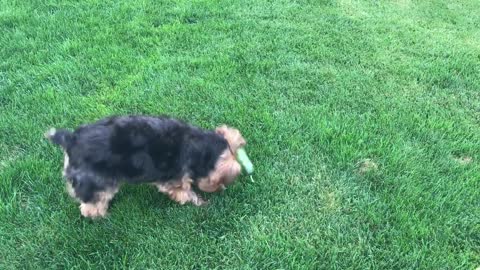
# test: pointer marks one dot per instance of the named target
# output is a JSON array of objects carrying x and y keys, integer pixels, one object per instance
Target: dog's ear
[
  {"x": 233, "y": 137},
  {"x": 221, "y": 130}
]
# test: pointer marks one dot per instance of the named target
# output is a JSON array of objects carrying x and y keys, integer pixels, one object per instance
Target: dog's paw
[
  {"x": 199, "y": 202},
  {"x": 92, "y": 211}
]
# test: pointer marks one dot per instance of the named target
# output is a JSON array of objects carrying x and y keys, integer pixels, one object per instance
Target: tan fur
[
  {"x": 65, "y": 164},
  {"x": 227, "y": 167},
  {"x": 233, "y": 137},
  {"x": 100, "y": 207},
  {"x": 180, "y": 191},
  {"x": 226, "y": 170},
  {"x": 70, "y": 190}
]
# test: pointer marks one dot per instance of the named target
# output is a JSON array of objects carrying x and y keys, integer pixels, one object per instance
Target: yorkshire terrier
[{"x": 165, "y": 152}]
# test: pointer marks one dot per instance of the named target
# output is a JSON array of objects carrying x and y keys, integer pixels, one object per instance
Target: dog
[{"x": 165, "y": 152}]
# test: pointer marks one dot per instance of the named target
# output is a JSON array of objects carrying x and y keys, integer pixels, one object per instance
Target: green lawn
[{"x": 362, "y": 117}]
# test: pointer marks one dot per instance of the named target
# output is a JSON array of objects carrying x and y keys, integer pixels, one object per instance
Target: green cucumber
[{"x": 244, "y": 160}]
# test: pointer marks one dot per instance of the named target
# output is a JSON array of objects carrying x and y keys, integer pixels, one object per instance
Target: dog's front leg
[{"x": 181, "y": 191}]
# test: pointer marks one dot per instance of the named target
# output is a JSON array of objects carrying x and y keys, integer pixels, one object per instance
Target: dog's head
[{"x": 227, "y": 168}]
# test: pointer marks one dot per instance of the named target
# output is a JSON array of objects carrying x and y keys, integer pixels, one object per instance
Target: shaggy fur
[{"x": 162, "y": 151}]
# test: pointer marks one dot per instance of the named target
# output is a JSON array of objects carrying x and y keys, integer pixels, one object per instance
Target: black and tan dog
[{"x": 162, "y": 151}]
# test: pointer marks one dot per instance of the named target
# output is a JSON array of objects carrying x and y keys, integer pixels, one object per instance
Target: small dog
[{"x": 162, "y": 151}]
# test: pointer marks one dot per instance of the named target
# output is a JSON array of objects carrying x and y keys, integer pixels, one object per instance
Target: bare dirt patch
[
  {"x": 463, "y": 160},
  {"x": 366, "y": 165}
]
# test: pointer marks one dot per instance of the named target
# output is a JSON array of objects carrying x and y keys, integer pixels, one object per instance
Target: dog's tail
[{"x": 61, "y": 137}]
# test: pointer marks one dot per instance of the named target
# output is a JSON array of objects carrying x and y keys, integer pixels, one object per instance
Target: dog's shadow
[
  {"x": 145, "y": 199},
  {"x": 140, "y": 196}
]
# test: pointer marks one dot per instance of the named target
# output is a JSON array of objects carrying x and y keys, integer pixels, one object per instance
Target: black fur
[
  {"x": 61, "y": 137},
  {"x": 136, "y": 149}
]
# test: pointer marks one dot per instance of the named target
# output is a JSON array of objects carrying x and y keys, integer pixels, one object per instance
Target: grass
[{"x": 363, "y": 121}]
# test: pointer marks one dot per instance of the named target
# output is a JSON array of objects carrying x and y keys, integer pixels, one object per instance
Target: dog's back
[{"x": 140, "y": 148}]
